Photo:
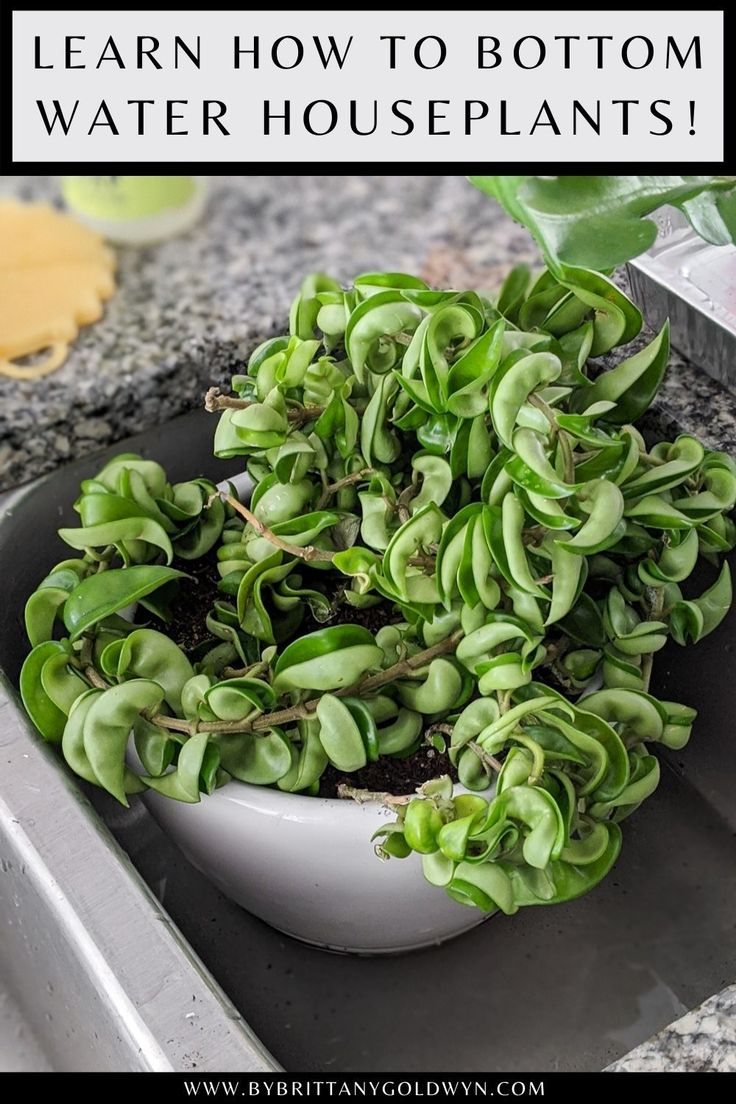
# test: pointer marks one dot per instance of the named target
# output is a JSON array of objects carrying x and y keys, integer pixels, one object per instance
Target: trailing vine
[{"x": 461, "y": 468}]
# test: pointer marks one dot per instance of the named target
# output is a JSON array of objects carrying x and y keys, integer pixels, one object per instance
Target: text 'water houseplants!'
[{"x": 458, "y": 549}]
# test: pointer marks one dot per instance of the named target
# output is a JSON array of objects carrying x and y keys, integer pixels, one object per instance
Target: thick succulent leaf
[
  {"x": 148, "y": 654},
  {"x": 327, "y": 659},
  {"x": 454, "y": 475},
  {"x": 48, "y": 718},
  {"x": 632, "y": 384},
  {"x": 600, "y": 221},
  {"x": 107, "y": 728},
  {"x": 105, "y": 593},
  {"x": 340, "y": 735}
]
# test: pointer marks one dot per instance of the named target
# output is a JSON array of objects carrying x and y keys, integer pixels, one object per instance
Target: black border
[
  {"x": 370, "y": 168},
  {"x": 260, "y": 1087}
]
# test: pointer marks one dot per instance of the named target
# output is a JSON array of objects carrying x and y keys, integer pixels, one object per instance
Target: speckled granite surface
[
  {"x": 186, "y": 312},
  {"x": 703, "y": 1041}
]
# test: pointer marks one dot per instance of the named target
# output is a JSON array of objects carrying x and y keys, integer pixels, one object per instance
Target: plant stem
[
  {"x": 565, "y": 446},
  {"x": 556, "y": 651},
  {"x": 655, "y": 612},
  {"x": 652, "y": 461},
  {"x": 309, "y": 553},
  {"x": 266, "y": 720},
  {"x": 646, "y": 671},
  {"x": 294, "y": 712},
  {"x": 567, "y": 457},
  {"x": 547, "y": 410},
  {"x": 96, "y": 679},
  {"x": 534, "y": 534},
  {"x": 427, "y": 562},
  {"x": 253, "y": 670},
  {"x": 487, "y": 760},
  {"x": 445, "y": 729},
  {"x": 214, "y": 402},
  {"x": 175, "y": 724},
  {"x": 404, "y": 666},
  {"x": 332, "y": 488},
  {"x": 362, "y": 796},
  {"x": 537, "y": 755},
  {"x": 504, "y": 701}
]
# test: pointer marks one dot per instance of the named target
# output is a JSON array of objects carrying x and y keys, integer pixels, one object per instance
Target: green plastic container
[{"x": 136, "y": 210}]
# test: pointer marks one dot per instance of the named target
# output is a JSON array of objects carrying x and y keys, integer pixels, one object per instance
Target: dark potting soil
[
  {"x": 372, "y": 618},
  {"x": 195, "y": 596},
  {"x": 187, "y": 628},
  {"x": 388, "y": 775},
  {"x": 193, "y": 602}
]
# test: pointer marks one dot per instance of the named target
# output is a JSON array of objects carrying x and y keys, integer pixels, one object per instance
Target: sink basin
[{"x": 569, "y": 987}]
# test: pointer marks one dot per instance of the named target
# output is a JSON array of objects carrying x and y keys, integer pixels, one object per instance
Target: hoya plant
[
  {"x": 456, "y": 537},
  {"x": 601, "y": 221}
]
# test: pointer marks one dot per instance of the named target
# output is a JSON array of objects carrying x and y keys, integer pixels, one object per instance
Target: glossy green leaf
[
  {"x": 260, "y": 758},
  {"x": 48, "y": 718},
  {"x": 373, "y": 325},
  {"x": 697, "y": 617},
  {"x": 512, "y": 385},
  {"x": 600, "y": 221},
  {"x": 105, "y": 593},
  {"x": 327, "y": 659},
  {"x": 632, "y": 384},
  {"x": 185, "y": 781},
  {"x": 602, "y": 527},
  {"x": 453, "y": 474},
  {"x": 340, "y": 735},
  {"x": 107, "y": 728}
]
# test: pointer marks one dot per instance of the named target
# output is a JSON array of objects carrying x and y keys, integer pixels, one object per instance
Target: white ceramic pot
[{"x": 306, "y": 865}]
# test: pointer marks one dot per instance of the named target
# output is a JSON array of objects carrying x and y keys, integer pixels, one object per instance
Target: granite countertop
[
  {"x": 189, "y": 311},
  {"x": 703, "y": 1041}
]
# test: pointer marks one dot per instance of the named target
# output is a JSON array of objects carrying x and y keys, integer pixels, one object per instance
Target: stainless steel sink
[
  {"x": 569, "y": 988},
  {"x": 693, "y": 284},
  {"x": 19, "y": 1050}
]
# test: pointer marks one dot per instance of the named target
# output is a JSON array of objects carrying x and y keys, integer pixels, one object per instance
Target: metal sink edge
[{"x": 102, "y": 974}]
